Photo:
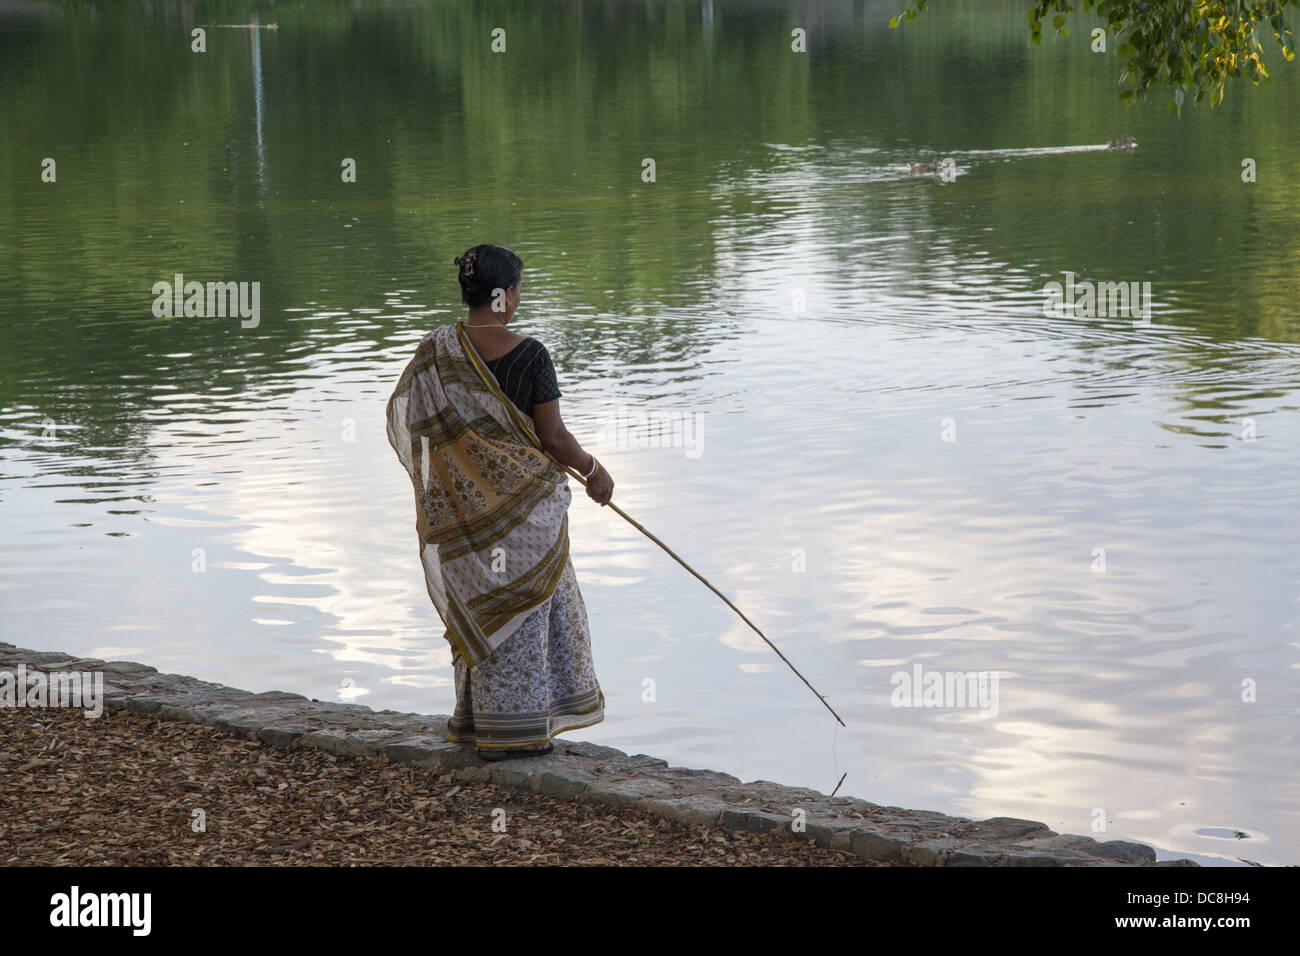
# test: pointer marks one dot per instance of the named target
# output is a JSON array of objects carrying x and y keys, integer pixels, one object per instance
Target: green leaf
[{"x": 1188, "y": 47}]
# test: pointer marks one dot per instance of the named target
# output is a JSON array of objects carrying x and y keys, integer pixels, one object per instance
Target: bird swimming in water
[{"x": 1129, "y": 143}]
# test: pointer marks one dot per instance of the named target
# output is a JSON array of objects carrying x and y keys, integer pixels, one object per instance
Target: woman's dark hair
[{"x": 484, "y": 269}]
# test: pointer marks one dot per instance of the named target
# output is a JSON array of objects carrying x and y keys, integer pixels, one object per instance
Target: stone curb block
[{"x": 358, "y": 743}]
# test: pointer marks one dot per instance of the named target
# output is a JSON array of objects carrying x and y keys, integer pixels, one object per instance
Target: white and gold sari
[{"x": 492, "y": 520}]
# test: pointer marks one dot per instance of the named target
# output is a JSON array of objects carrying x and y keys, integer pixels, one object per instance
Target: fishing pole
[{"x": 705, "y": 581}]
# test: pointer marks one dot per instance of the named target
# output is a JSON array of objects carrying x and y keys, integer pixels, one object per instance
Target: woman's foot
[{"x": 535, "y": 750}]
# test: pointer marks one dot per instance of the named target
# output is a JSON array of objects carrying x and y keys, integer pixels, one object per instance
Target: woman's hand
[{"x": 600, "y": 486}]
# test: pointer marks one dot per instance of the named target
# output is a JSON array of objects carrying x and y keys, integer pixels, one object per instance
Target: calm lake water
[{"x": 918, "y": 468}]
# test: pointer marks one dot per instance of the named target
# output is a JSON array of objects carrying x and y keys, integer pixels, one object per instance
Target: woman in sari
[{"x": 475, "y": 420}]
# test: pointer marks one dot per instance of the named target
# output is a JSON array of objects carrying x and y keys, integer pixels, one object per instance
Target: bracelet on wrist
[{"x": 594, "y": 465}]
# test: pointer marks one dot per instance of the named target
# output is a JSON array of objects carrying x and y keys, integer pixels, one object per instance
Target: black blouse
[{"x": 526, "y": 375}]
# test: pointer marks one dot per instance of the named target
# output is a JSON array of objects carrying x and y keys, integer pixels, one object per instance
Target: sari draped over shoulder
[{"x": 491, "y": 507}]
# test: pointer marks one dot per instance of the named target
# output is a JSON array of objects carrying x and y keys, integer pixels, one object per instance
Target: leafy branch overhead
[{"x": 1189, "y": 46}]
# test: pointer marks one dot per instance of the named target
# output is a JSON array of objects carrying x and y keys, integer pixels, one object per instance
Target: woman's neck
[{"x": 485, "y": 318}]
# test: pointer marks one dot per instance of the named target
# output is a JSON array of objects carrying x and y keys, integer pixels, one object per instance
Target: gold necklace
[{"x": 492, "y": 326}]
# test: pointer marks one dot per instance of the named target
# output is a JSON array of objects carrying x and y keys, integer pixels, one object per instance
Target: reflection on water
[
  {"x": 255, "y": 36},
  {"x": 918, "y": 467}
]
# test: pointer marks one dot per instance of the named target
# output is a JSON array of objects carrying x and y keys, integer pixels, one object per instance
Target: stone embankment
[{"x": 596, "y": 774}]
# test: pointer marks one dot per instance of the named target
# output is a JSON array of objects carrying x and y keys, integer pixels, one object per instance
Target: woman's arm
[{"x": 559, "y": 442}]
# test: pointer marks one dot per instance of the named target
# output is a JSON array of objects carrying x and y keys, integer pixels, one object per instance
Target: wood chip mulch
[{"x": 122, "y": 790}]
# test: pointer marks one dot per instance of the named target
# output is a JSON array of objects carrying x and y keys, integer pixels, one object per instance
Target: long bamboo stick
[{"x": 705, "y": 581}]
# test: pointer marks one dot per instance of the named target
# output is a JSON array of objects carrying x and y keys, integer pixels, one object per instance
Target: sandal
[{"x": 513, "y": 754}]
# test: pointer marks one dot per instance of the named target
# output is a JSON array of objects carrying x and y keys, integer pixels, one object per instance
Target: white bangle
[{"x": 594, "y": 465}]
